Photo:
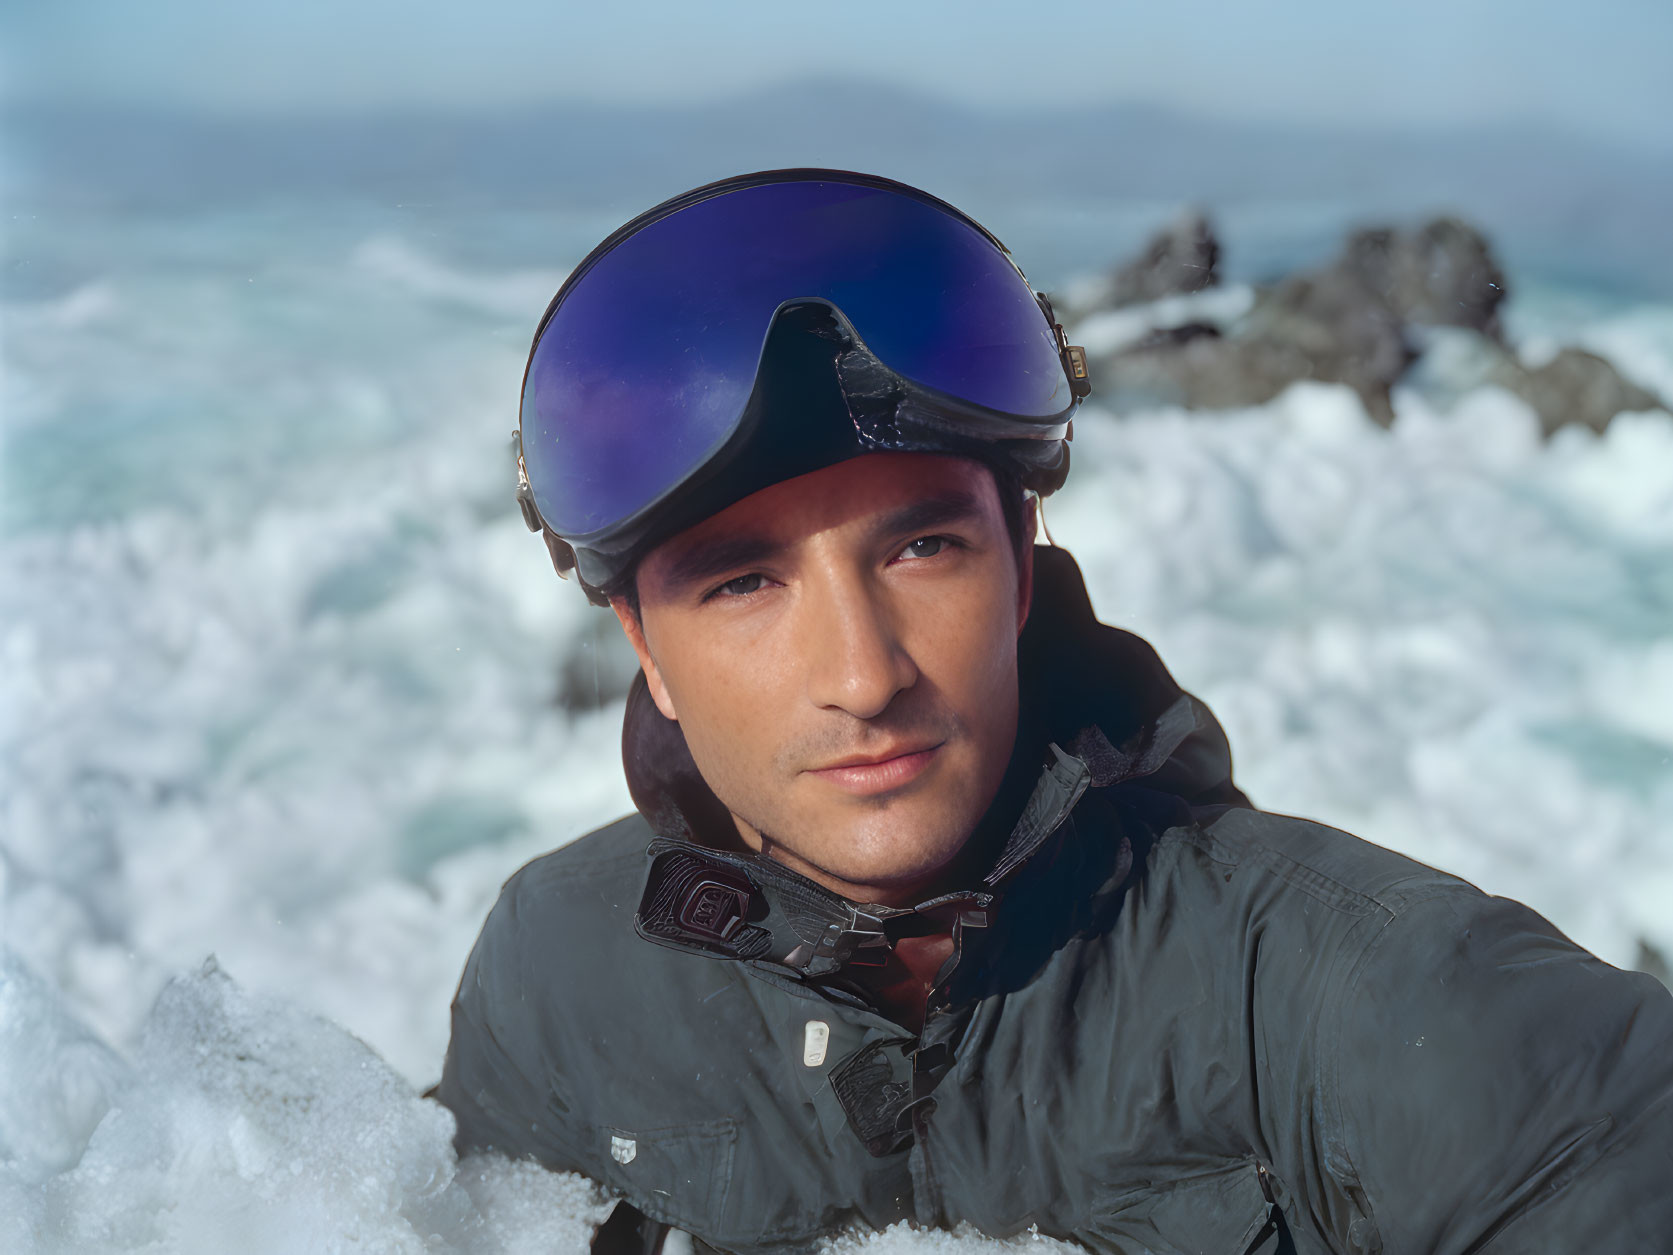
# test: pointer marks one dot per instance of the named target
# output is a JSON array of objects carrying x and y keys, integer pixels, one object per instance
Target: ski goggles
[{"x": 642, "y": 368}]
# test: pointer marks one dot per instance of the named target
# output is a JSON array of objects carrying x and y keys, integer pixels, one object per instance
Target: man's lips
[{"x": 877, "y": 773}]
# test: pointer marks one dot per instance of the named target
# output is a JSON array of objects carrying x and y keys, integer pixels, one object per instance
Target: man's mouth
[{"x": 866, "y": 774}]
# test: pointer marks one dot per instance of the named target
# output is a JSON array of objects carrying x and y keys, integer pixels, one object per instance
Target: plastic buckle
[
  {"x": 714, "y": 909},
  {"x": 692, "y": 904},
  {"x": 847, "y": 943},
  {"x": 1074, "y": 357},
  {"x": 1074, "y": 363}
]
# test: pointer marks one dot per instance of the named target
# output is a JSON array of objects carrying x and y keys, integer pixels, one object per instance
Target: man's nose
[{"x": 857, "y": 661}]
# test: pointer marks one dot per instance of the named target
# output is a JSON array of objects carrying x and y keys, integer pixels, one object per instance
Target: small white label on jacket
[
  {"x": 623, "y": 1149},
  {"x": 815, "y": 1039}
]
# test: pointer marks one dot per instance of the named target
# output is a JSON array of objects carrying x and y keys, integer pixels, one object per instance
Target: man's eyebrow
[
  {"x": 953, "y": 506},
  {"x": 708, "y": 560}
]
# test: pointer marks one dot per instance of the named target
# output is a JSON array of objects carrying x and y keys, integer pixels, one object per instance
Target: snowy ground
[{"x": 282, "y": 674}]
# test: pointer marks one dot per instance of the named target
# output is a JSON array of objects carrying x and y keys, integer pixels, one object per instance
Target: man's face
[{"x": 841, "y": 653}]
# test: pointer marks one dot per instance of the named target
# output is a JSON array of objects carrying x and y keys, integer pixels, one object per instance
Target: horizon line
[{"x": 15, "y": 104}]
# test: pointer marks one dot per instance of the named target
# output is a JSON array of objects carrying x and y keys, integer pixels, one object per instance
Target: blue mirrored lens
[{"x": 644, "y": 369}]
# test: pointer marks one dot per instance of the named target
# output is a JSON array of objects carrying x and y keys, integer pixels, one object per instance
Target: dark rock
[
  {"x": 1344, "y": 323},
  {"x": 1182, "y": 257},
  {"x": 1348, "y": 323},
  {"x": 1336, "y": 329},
  {"x": 1326, "y": 326},
  {"x": 1172, "y": 337},
  {"x": 1204, "y": 372},
  {"x": 1573, "y": 387},
  {"x": 1442, "y": 274}
]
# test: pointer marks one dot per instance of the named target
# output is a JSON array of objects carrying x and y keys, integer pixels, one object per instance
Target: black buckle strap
[
  {"x": 694, "y": 904},
  {"x": 746, "y": 906},
  {"x": 749, "y": 906}
]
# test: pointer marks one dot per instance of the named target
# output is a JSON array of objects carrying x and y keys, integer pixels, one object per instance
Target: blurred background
[{"x": 1380, "y": 302}]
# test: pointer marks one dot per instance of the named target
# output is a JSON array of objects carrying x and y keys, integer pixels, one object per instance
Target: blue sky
[{"x": 1599, "y": 68}]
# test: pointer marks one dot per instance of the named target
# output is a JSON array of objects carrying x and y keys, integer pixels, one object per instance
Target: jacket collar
[{"x": 1099, "y": 711}]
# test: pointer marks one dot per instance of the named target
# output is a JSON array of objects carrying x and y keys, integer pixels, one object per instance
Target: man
[{"x": 940, "y": 903}]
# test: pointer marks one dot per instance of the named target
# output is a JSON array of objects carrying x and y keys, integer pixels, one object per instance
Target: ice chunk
[
  {"x": 247, "y": 1125},
  {"x": 56, "y": 1077}
]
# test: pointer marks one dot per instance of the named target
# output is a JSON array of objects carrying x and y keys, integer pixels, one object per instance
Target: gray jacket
[{"x": 1174, "y": 1023}]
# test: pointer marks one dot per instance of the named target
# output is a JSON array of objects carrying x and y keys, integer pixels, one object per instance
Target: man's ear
[
  {"x": 634, "y": 630},
  {"x": 1025, "y": 567}
]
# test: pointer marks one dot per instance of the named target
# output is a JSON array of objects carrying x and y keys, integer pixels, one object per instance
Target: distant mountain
[{"x": 1554, "y": 203}]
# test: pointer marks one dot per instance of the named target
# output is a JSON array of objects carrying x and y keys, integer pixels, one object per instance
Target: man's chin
[{"x": 882, "y": 875}]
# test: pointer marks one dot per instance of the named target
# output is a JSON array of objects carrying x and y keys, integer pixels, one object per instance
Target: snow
[
  {"x": 1113, "y": 329},
  {"x": 906, "y": 1239},
  {"x": 282, "y": 673},
  {"x": 1446, "y": 637},
  {"x": 245, "y": 1124}
]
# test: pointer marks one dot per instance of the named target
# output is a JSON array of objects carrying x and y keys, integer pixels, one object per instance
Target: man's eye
[
  {"x": 743, "y": 586},
  {"x": 925, "y": 547}
]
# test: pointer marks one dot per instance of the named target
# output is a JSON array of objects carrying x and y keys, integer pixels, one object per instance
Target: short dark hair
[{"x": 1013, "y": 506}]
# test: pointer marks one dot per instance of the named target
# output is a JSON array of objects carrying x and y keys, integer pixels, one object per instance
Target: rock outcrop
[
  {"x": 1442, "y": 274},
  {"x": 1573, "y": 387},
  {"x": 1183, "y": 257},
  {"x": 1328, "y": 326},
  {"x": 1355, "y": 321}
]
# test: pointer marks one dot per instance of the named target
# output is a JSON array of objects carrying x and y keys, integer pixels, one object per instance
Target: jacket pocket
[
  {"x": 1220, "y": 1212},
  {"x": 680, "y": 1174}
]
